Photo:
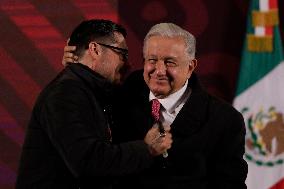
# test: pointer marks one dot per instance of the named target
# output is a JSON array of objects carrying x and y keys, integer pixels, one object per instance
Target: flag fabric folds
[{"x": 260, "y": 96}]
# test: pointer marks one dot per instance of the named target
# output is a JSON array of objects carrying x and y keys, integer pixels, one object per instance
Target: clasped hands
[{"x": 158, "y": 143}]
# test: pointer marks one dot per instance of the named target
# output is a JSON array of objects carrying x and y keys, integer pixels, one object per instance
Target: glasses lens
[{"x": 123, "y": 52}]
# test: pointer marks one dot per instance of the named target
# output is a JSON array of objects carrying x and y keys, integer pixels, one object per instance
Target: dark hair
[{"x": 98, "y": 30}]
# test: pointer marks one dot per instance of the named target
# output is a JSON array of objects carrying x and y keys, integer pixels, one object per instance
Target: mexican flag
[{"x": 260, "y": 96}]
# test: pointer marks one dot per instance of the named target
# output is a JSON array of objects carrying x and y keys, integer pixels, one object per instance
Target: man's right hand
[
  {"x": 158, "y": 144},
  {"x": 68, "y": 55}
]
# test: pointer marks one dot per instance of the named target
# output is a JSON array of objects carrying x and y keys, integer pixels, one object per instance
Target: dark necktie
[{"x": 156, "y": 109}]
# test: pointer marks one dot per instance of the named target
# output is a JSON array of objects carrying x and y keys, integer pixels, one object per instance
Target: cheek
[
  {"x": 149, "y": 67},
  {"x": 174, "y": 76},
  {"x": 117, "y": 71},
  {"x": 177, "y": 78},
  {"x": 147, "y": 70},
  {"x": 118, "y": 65},
  {"x": 146, "y": 77}
]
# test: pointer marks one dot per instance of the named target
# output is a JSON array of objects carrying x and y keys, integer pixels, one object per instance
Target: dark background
[{"x": 34, "y": 32}]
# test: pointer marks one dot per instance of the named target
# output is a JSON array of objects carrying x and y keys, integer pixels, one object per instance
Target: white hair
[{"x": 173, "y": 30}]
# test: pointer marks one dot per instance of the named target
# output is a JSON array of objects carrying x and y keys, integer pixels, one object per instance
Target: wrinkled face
[
  {"x": 166, "y": 65},
  {"x": 113, "y": 59}
]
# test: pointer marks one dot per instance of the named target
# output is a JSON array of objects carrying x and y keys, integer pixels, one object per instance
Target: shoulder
[
  {"x": 225, "y": 114},
  {"x": 224, "y": 107},
  {"x": 216, "y": 106},
  {"x": 64, "y": 86}
]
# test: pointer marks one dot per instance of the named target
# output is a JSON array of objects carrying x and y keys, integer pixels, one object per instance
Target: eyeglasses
[{"x": 123, "y": 52}]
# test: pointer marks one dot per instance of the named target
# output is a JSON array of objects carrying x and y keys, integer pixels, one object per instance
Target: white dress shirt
[{"x": 172, "y": 104}]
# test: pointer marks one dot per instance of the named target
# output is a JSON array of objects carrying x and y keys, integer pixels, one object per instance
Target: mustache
[{"x": 157, "y": 77}]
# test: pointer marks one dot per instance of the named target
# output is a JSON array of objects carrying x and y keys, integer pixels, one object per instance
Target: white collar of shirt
[{"x": 171, "y": 102}]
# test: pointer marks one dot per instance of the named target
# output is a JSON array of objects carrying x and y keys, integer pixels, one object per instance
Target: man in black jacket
[{"x": 68, "y": 140}]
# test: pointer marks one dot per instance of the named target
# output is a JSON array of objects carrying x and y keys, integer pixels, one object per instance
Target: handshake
[{"x": 157, "y": 141}]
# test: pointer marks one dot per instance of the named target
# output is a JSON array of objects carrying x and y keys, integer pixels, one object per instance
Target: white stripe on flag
[
  {"x": 259, "y": 31},
  {"x": 263, "y": 178},
  {"x": 263, "y": 5}
]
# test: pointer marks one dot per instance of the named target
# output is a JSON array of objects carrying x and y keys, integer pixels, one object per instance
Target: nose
[{"x": 160, "y": 68}]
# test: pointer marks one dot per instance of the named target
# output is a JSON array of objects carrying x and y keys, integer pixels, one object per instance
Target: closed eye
[
  {"x": 152, "y": 60},
  {"x": 170, "y": 63}
]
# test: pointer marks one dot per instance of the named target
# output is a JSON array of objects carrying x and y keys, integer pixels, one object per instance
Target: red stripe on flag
[
  {"x": 273, "y": 4},
  {"x": 278, "y": 185},
  {"x": 269, "y": 30}
]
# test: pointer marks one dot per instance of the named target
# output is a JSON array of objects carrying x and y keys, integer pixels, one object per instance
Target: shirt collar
[{"x": 171, "y": 101}]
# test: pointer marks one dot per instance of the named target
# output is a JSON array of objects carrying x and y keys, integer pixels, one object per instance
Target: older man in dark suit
[{"x": 208, "y": 133}]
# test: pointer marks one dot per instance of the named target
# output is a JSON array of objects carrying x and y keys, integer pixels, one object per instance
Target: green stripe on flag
[{"x": 255, "y": 65}]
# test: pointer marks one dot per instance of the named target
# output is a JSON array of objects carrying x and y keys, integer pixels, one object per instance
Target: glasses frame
[{"x": 123, "y": 52}]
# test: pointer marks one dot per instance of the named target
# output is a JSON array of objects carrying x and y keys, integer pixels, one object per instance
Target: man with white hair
[{"x": 208, "y": 134}]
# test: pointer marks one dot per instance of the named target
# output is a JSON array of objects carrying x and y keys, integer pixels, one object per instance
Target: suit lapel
[{"x": 193, "y": 114}]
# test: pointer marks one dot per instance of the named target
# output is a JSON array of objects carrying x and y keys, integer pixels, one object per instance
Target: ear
[
  {"x": 191, "y": 66},
  {"x": 94, "y": 50}
]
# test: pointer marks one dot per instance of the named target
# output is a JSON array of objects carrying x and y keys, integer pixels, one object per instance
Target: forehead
[{"x": 159, "y": 45}]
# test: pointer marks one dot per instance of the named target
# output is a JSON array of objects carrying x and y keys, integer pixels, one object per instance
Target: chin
[{"x": 159, "y": 92}]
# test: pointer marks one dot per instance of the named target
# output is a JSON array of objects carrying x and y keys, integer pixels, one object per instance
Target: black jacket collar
[
  {"x": 102, "y": 87},
  {"x": 195, "y": 109}
]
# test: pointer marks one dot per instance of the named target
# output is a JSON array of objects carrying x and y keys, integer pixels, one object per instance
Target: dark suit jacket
[
  {"x": 208, "y": 141},
  {"x": 67, "y": 142}
]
